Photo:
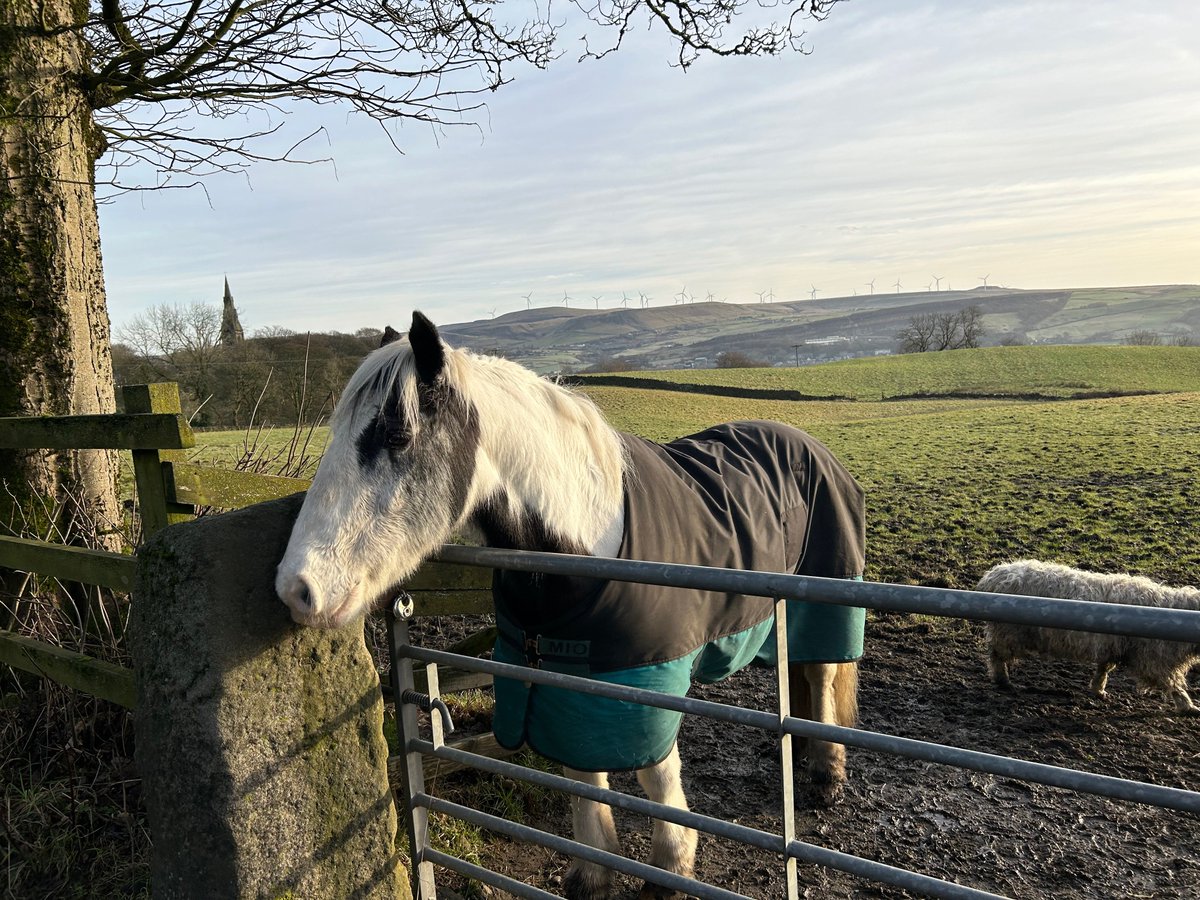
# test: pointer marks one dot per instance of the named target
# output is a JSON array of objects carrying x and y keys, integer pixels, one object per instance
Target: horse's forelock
[
  {"x": 382, "y": 377},
  {"x": 387, "y": 385}
]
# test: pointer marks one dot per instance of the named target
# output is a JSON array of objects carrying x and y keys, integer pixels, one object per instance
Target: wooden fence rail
[
  {"x": 105, "y": 432},
  {"x": 68, "y": 668}
]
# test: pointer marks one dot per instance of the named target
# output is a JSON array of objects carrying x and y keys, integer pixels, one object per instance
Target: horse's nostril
[
  {"x": 303, "y": 594},
  {"x": 296, "y": 593}
]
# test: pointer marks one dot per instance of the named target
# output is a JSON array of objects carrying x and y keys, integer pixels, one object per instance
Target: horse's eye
[
  {"x": 391, "y": 435},
  {"x": 398, "y": 439},
  {"x": 393, "y": 431}
]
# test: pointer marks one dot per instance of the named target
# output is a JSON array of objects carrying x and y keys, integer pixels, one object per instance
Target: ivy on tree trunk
[{"x": 55, "y": 357}]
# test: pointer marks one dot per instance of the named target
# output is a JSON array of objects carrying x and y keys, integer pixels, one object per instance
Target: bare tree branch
[{"x": 158, "y": 67}]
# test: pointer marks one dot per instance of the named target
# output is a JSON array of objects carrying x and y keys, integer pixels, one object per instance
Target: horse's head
[{"x": 394, "y": 482}]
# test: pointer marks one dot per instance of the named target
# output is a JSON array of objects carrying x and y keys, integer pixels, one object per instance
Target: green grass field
[
  {"x": 954, "y": 486},
  {"x": 993, "y": 371}
]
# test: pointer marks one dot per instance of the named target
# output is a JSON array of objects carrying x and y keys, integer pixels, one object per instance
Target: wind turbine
[
  {"x": 597, "y": 297},
  {"x": 984, "y": 278},
  {"x": 871, "y": 285},
  {"x": 682, "y": 296},
  {"x": 624, "y": 299},
  {"x": 938, "y": 279},
  {"x": 644, "y": 298},
  {"x": 566, "y": 300},
  {"x": 897, "y": 285},
  {"x": 709, "y": 298},
  {"x": 812, "y": 294},
  {"x": 929, "y": 287},
  {"x": 493, "y": 312},
  {"x": 761, "y": 294},
  {"x": 771, "y": 296},
  {"x": 527, "y": 299}
]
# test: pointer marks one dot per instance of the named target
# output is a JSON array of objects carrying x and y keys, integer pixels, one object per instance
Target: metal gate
[{"x": 1168, "y": 624}]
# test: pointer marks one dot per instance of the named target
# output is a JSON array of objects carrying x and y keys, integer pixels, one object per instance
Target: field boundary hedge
[
  {"x": 720, "y": 390},
  {"x": 1023, "y": 395},
  {"x": 752, "y": 393}
]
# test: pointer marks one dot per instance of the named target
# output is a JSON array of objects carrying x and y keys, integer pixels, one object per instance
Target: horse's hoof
[
  {"x": 828, "y": 795},
  {"x": 658, "y": 892},
  {"x": 825, "y": 791},
  {"x": 579, "y": 885}
]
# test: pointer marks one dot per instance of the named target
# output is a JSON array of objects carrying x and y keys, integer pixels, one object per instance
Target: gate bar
[
  {"x": 1040, "y": 773},
  {"x": 487, "y": 876},
  {"x": 650, "y": 873},
  {"x": 927, "y": 885},
  {"x": 1075, "y": 615}
]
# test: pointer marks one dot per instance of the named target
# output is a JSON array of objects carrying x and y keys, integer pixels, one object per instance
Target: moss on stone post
[{"x": 259, "y": 741}]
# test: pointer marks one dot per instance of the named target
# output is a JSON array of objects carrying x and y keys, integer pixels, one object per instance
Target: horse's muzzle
[{"x": 309, "y": 607}]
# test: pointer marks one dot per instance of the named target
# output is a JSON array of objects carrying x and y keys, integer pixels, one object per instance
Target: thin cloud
[{"x": 1053, "y": 141}]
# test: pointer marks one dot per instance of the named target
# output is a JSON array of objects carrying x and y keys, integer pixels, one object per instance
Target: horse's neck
[{"x": 555, "y": 464}]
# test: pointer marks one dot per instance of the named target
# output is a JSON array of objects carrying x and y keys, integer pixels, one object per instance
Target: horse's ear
[
  {"x": 428, "y": 351},
  {"x": 390, "y": 335}
]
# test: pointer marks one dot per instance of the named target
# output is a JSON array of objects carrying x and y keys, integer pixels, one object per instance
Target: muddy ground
[{"x": 926, "y": 679}]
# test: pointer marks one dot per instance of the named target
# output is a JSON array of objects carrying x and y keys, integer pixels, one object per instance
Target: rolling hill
[{"x": 552, "y": 339}]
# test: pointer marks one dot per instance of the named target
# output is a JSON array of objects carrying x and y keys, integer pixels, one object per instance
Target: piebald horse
[{"x": 429, "y": 441}]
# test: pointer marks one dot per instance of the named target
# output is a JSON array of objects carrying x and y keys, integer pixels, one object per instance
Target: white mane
[
  {"x": 547, "y": 448},
  {"x": 550, "y": 448}
]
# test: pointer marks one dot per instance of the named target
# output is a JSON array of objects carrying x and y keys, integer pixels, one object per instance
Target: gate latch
[{"x": 425, "y": 702}]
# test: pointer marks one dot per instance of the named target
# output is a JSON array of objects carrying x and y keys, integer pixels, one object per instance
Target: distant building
[{"x": 231, "y": 328}]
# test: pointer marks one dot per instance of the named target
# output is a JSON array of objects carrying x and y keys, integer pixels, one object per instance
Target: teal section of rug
[
  {"x": 819, "y": 632},
  {"x": 592, "y": 734},
  {"x": 599, "y": 734},
  {"x": 721, "y": 658}
]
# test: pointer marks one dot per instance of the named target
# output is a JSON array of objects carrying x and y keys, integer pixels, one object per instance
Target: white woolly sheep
[{"x": 1156, "y": 664}]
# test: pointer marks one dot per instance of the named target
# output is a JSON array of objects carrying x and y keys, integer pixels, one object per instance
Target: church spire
[{"x": 231, "y": 328}]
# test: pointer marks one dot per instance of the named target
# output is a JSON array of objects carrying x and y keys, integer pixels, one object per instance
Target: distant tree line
[
  {"x": 275, "y": 377},
  {"x": 726, "y": 359},
  {"x": 942, "y": 331},
  {"x": 735, "y": 359},
  {"x": 1146, "y": 338},
  {"x": 610, "y": 364}
]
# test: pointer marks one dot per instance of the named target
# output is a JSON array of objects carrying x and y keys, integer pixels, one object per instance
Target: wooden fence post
[{"x": 157, "y": 508}]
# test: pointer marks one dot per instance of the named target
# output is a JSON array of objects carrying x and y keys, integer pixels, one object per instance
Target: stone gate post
[{"x": 259, "y": 742}]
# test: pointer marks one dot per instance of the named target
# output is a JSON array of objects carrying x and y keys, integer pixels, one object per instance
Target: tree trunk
[{"x": 55, "y": 357}]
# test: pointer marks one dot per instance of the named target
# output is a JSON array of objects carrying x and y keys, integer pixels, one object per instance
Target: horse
[{"x": 428, "y": 441}]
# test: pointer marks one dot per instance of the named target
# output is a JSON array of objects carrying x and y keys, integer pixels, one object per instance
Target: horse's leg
[
  {"x": 828, "y": 693},
  {"x": 593, "y": 825},
  {"x": 672, "y": 847}
]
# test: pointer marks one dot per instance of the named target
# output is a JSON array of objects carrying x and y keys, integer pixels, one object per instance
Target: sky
[{"x": 1044, "y": 144}]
